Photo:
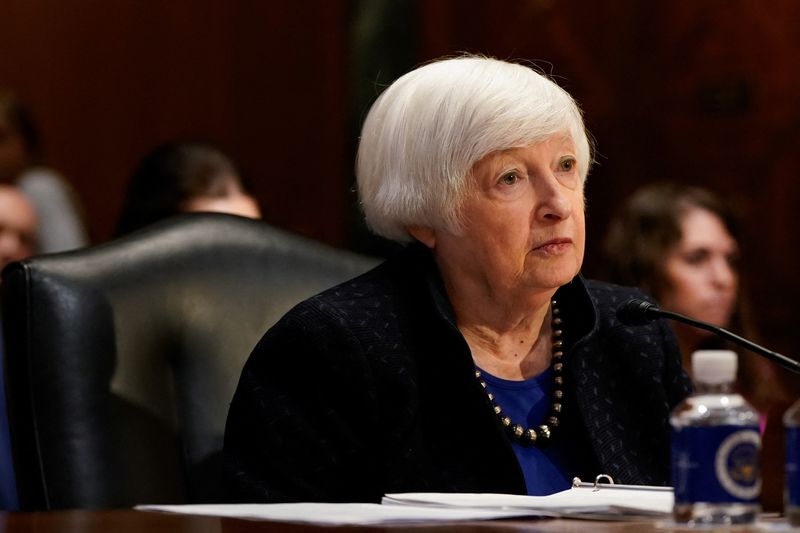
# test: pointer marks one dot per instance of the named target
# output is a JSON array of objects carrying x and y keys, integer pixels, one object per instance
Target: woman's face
[
  {"x": 18, "y": 225},
  {"x": 701, "y": 276},
  {"x": 523, "y": 222}
]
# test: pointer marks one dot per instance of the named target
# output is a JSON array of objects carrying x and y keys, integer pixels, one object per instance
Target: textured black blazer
[{"x": 369, "y": 388}]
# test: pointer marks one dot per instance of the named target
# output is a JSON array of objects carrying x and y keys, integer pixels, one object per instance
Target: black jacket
[{"x": 369, "y": 388}]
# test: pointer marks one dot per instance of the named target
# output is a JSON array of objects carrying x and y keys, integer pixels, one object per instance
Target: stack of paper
[
  {"x": 339, "y": 513},
  {"x": 611, "y": 502}
]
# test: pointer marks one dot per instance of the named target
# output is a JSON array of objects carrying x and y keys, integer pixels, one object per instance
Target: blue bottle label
[
  {"x": 718, "y": 464},
  {"x": 793, "y": 466}
]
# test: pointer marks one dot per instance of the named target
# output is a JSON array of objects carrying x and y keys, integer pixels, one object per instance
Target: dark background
[{"x": 701, "y": 92}]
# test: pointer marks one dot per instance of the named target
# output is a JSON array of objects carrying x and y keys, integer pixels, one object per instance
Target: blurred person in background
[
  {"x": 18, "y": 225},
  {"x": 18, "y": 234},
  {"x": 181, "y": 177},
  {"x": 61, "y": 225},
  {"x": 681, "y": 245}
]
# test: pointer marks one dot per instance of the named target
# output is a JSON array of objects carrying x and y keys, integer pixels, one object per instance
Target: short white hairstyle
[{"x": 427, "y": 130}]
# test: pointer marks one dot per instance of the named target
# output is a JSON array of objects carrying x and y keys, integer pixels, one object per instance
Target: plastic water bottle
[
  {"x": 791, "y": 421},
  {"x": 716, "y": 466}
]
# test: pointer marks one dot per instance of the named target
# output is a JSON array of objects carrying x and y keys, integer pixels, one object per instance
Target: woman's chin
[{"x": 720, "y": 320}]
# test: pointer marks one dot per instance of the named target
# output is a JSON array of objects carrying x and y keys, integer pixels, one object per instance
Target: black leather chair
[{"x": 122, "y": 358}]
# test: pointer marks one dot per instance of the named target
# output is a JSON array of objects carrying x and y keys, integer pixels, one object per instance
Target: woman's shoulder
[
  {"x": 382, "y": 294},
  {"x": 643, "y": 350},
  {"x": 358, "y": 323},
  {"x": 612, "y": 294},
  {"x": 41, "y": 178},
  {"x": 607, "y": 299},
  {"x": 395, "y": 281}
]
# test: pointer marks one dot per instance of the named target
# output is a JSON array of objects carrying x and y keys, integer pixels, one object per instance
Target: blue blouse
[{"x": 527, "y": 402}]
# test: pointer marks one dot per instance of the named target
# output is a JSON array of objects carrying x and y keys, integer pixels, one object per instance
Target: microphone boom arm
[{"x": 782, "y": 360}]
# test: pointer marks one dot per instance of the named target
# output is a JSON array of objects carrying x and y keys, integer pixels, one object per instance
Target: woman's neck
[{"x": 509, "y": 335}]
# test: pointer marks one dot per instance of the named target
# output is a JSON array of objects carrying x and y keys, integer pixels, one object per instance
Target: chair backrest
[{"x": 122, "y": 358}]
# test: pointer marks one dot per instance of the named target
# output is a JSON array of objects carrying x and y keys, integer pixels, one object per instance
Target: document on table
[
  {"x": 600, "y": 502},
  {"x": 611, "y": 502},
  {"x": 340, "y": 513}
]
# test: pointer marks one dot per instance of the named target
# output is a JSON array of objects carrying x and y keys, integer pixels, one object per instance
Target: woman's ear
[{"x": 424, "y": 235}]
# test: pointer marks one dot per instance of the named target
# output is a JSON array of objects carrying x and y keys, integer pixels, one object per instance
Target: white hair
[{"x": 423, "y": 135}]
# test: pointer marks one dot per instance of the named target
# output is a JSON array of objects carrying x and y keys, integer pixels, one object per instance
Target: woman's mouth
[{"x": 554, "y": 246}]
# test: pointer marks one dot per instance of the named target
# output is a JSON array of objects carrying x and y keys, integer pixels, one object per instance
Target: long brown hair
[
  {"x": 642, "y": 234},
  {"x": 648, "y": 226}
]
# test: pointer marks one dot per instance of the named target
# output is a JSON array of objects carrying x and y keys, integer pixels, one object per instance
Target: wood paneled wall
[
  {"x": 701, "y": 92},
  {"x": 108, "y": 80}
]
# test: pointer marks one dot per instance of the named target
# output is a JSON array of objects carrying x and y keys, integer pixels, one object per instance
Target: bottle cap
[{"x": 714, "y": 366}]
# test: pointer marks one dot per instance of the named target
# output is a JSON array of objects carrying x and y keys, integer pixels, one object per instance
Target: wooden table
[{"x": 124, "y": 521}]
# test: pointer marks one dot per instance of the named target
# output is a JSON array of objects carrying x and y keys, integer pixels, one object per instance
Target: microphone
[{"x": 637, "y": 312}]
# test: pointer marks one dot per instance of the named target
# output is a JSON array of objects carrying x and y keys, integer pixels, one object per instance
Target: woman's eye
[
  {"x": 567, "y": 164},
  {"x": 696, "y": 257},
  {"x": 509, "y": 179}
]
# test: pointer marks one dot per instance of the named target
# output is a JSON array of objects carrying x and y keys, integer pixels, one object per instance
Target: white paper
[
  {"x": 339, "y": 513},
  {"x": 608, "y": 502},
  {"x": 613, "y": 502}
]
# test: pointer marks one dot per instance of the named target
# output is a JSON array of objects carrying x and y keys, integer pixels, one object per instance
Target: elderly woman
[{"x": 478, "y": 359}]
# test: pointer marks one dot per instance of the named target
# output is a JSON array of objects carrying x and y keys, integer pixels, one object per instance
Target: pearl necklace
[{"x": 541, "y": 434}]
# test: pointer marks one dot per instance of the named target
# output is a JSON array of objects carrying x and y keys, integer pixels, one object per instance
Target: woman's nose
[
  {"x": 553, "y": 202},
  {"x": 723, "y": 273}
]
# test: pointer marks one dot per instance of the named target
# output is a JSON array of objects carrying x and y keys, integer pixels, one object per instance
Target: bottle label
[
  {"x": 793, "y": 466},
  {"x": 718, "y": 464}
]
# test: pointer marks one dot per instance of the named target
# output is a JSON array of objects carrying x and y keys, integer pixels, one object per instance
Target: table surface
[{"x": 123, "y": 521}]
